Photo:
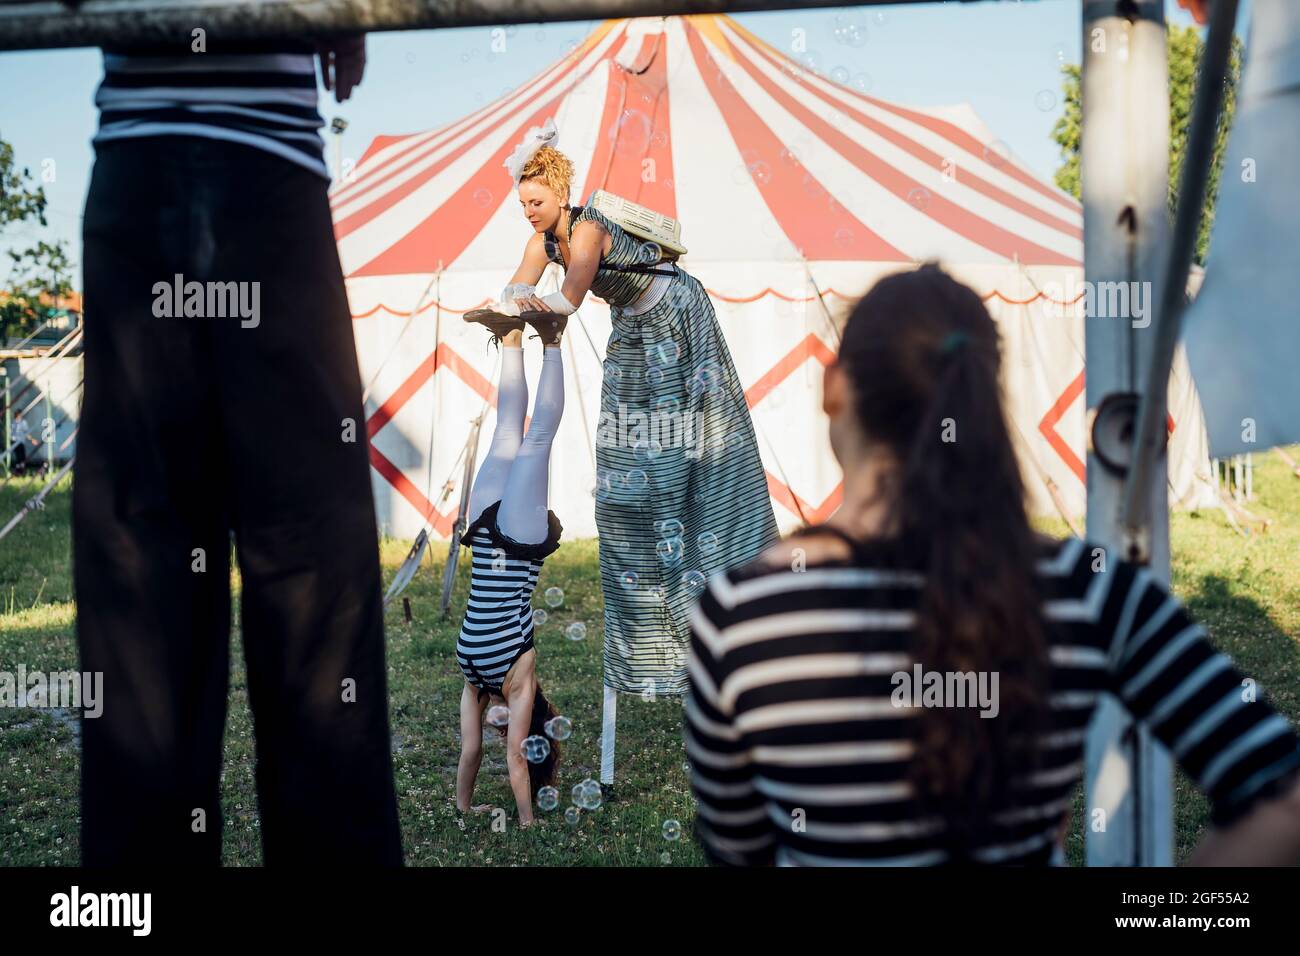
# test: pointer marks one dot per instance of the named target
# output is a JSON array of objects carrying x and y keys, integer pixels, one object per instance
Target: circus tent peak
[{"x": 697, "y": 118}]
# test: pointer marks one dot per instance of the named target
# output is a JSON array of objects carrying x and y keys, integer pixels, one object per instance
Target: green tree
[
  {"x": 1184, "y": 50},
  {"x": 40, "y": 274}
]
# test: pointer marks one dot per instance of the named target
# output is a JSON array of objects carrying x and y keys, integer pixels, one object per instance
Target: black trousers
[{"x": 199, "y": 430}]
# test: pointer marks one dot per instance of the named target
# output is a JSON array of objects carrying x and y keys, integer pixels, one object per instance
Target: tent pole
[
  {"x": 1124, "y": 161},
  {"x": 1197, "y": 160}
]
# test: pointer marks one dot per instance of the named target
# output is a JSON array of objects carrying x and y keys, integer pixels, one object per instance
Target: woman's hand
[
  {"x": 532, "y": 304},
  {"x": 342, "y": 63}
]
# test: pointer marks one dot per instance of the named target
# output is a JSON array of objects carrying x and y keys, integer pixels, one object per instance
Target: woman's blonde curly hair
[{"x": 553, "y": 168}]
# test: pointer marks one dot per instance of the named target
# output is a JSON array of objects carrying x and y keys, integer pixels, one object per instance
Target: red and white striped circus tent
[{"x": 795, "y": 192}]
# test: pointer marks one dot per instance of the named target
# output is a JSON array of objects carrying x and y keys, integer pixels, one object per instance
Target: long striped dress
[{"x": 680, "y": 486}]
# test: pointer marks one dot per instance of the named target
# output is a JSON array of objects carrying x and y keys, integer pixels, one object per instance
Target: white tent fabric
[
  {"x": 795, "y": 192},
  {"x": 1244, "y": 358}
]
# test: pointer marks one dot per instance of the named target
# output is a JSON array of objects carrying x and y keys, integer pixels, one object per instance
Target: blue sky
[{"x": 999, "y": 57}]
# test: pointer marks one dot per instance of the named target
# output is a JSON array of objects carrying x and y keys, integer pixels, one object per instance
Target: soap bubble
[
  {"x": 548, "y": 798},
  {"x": 693, "y": 581},
  {"x": 554, "y": 596},
  {"x": 672, "y": 830},
  {"x": 631, "y": 133},
  {"x": 670, "y": 550},
  {"x": 571, "y": 815},
  {"x": 919, "y": 197},
  {"x": 629, "y": 580},
  {"x": 587, "y": 795},
  {"x": 536, "y": 748},
  {"x": 667, "y": 352},
  {"x": 1045, "y": 100},
  {"x": 670, "y": 528},
  {"x": 540, "y": 617},
  {"x": 558, "y": 728},
  {"x": 707, "y": 542},
  {"x": 498, "y": 715},
  {"x": 668, "y": 406},
  {"x": 637, "y": 480},
  {"x": 577, "y": 631}
]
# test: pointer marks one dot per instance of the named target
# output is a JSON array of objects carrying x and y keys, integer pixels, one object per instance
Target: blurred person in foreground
[
  {"x": 223, "y": 401},
  {"x": 911, "y": 682}
]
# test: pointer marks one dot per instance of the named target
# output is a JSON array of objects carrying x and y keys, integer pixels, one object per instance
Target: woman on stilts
[{"x": 680, "y": 488}]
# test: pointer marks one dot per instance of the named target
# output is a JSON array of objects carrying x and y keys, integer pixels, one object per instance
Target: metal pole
[
  {"x": 8, "y": 421},
  {"x": 462, "y": 514},
  {"x": 1197, "y": 159},
  {"x": 1125, "y": 173},
  {"x": 49, "y": 445},
  {"x": 33, "y": 24}
]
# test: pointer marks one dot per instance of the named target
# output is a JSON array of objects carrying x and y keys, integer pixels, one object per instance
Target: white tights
[{"x": 516, "y": 470}]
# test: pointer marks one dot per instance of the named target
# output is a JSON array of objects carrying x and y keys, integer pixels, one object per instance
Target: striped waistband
[{"x": 648, "y": 299}]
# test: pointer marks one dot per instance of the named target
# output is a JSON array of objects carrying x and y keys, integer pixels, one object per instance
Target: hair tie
[{"x": 952, "y": 342}]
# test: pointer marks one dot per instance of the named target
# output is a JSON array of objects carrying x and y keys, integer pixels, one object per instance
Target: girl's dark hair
[
  {"x": 922, "y": 354},
  {"x": 543, "y": 774}
]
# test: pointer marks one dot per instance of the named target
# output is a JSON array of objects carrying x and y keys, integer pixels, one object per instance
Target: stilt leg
[{"x": 608, "y": 721}]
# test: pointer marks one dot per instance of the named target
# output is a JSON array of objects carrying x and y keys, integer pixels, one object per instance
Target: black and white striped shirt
[
  {"x": 789, "y": 716},
  {"x": 498, "y": 625},
  {"x": 266, "y": 100}
]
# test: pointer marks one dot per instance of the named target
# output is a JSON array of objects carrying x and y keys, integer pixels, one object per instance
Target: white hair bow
[{"x": 538, "y": 136}]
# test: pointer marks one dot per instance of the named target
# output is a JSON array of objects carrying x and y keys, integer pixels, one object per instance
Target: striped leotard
[{"x": 498, "y": 625}]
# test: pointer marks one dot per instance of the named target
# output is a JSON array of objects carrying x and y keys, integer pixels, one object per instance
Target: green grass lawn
[{"x": 1245, "y": 590}]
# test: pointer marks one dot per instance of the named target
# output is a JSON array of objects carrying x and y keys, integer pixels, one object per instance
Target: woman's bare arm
[
  {"x": 585, "y": 249},
  {"x": 1269, "y": 835},
  {"x": 534, "y": 262},
  {"x": 471, "y": 747}
]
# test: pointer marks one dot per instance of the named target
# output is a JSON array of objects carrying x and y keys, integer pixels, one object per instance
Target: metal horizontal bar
[{"x": 40, "y": 24}]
